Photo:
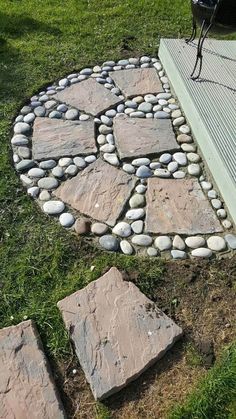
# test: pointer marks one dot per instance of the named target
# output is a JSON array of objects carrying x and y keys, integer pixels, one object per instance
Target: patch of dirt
[{"x": 199, "y": 296}]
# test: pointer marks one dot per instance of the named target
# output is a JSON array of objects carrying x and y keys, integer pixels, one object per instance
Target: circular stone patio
[{"x": 107, "y": 151}]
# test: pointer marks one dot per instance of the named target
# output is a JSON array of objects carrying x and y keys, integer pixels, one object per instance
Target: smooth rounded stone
[
  {"x": 143, "y": 172},
  {"x": 123, "y": 62},
  {"x": 165, "y": 158},
  {"x": 163, "y": 243},
  {"x": 166, "y": 110},
  {"x": 90, "y": 159},
  {"x": 62, "y": 108},
  {"x": 47, "y": 164},
  {"x": 40, "y": 111},
  {"x": 84, "y": 117},
  {"x": 120, "y": 108},
  {"x": 151, "y": 99},
  {"x": 36, "y": 172},
  {"x": 231, "y": 240},
  {"x": 137, "y": 114},
  {"x": 111, "y": 113},
  {"x": 135, "y": 214},
  {"x": 183, "y": 138},
  {"x": 55, "y": 115},
  {"x": 163, "y": 173},
  {"x": 138, "y": 99},
  {"x": 104, "y": 129},
  {"x": 212, "y": 194},
  {"x": 202, "y": 252},
  {"x": 178, "y": 121},
  {"x": 145, "y": 59},
  {"x": 149, "y": 115},
  {"x": 44, "y": 196},
  {"x": 101, "y": 139},
  {"x": 164, "y": 96},
  {"x": 164, "y": 79},
  {"x": 131, "y": 104},
  {"x": 141, "y": 189},
  {"x": 178, "y": 243},
  {"x": 130, "y": 66},
  {"x": 66, "y": 219},
  {"x": 115, "y": 90},
  {"x": 82, "y": 226},
  {"x": 157, "y": 66},
  {"x": 145, "y": 107},
  {"x": 188, "y": 148},
  {"x": 110, "y": 139},
  {"x": 137, "y": 201},
  {"x": 221, "y": 213},
  {"x": 71, "y": 114},
  {"x": 50, "y": 104},
  {"x": 107, "y": 148},
  {"x": 21, "y": 128},
  {"x": 58, "y": 172},
  {"x": 44, "y": 98},
  {"x": 143, "y": 161},
  {"x": 184, "y": 129},
  {"x": 65, "y": 161},
  {"x": 30, "y": 117},
  {"x": 178, "y": 254},
  {"x": 99, "y": 229},
  {"x": 26, "y": 180},
  {"x": 128, "y": 168},
  {"x": 64, "y": 82},
  {"x": 126, "y": 247},
  {"x": 19, "y": 140},
  {"x": 33, "y": 191},
  {"x": 137, "y": 226},
  {"x": 227, "y": 224},
  {"x": 74, "y": 80},
  {"x": 36, "y": 104},
  {"x": 180, "y": 158},
  {"x": 194, "y": 169},
  {"x": 172, "y": 106},
  {"x": 48, "y": 183},
  {"x": 97, "y": 69},
  {"x": 142, "y": 240},
  {"x": 86, "y": 71},
  {"x": 111, "y": 158},
  {"x": 195, "y": 241},
  {"x": 216, "y": 203},
  {"x": 155, "y": 165},
  {"x": 172, "y": 166},
  {"x": 109, "y": 242},
  {"x": 179, "y": 174},
  {"x": 24, "y": 152},
  {"x": 16, "y": 158},
  {"x": 122, "y": 229},
  {"x": 206, "y": 185},
  {"x": 216, "y": 243},
  {"x": 105, "y": 120},
  {"x": 161, "y": 115},
  {"x": 176, "y": 114},
  {"x": 26, "y": 109},
  {"x": 53, "y": 207},
  {"x": 152, "y": 252},
  {"x": 134, "y": 61},
  {"x": 193, "y": 157},
  {"x": 51, "y": 91},
  {"x": 162, "y": 102},
  {"x": 25, "y": 165},
  {"x": 71, "y": 170}
]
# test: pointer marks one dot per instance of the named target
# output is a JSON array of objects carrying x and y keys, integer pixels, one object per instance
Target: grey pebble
[
  {"x": 40, "y": 111},
  {"x": 66, "y": 219},
  {"x": 122, "y": 229},
  {"x": 137, "y": 226},
  {"x": 72, "y": 114},
  {"x": 99, "y": 229},
  {"x": 109, "y": 242},
  {"x": 231, "y": 241},
  {"x": 163, "y": 243},
  {"x": 178, "y": 254},
  {"x": 36, "y": 172},
  {"x": 161, "y": 115},
  {"x": 126, "y": 247},
  {"x": 48, "y": 183},
  {"x": 202, "y": 252},
  {"x": 21, "y": 128},
  {"x": 163, "y": 173},
  {"x": 129, "y": 168},
  {"x": 152, "y": 252},
  {"x": 142, "y": 240},
  {"x": 55, "y": 115},
  {"x": 143, "y": 172},
  {"x": 137, "y": 201},
  {"x": 141, "y": 189},
  {"x": 25, "y": 165},
  {"x": 53, "y": 207},
  {"x": 47, "y": 164},
  {"x": 135, "y": 214},
  {"x": 143, "y": 161},
  {"x": 165, "y": 158},
  {"x": 58, "y": 172},
  {"x": 90, "y": 159},
  {"x": 179, "y": 174}
]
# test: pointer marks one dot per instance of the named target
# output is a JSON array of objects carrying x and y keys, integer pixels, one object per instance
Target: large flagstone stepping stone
[
  {"x": 89, "y": 96},
  {"x": 117, "y": 332},
  {"x": 100, "y": 191},
  {"x": 139, "y": 81},
  {"x": 179, "y": 206},
  {"x": 53, "y": 138},
  {"x": 137, "y": 137},
  {"x": 27, "y": 389}
]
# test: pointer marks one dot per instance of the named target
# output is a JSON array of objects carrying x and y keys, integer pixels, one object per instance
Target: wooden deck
[{"x": 209, "y": 105}]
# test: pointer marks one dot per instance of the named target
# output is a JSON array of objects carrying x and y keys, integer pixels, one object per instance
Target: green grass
[{"x": 213, "y": 396}]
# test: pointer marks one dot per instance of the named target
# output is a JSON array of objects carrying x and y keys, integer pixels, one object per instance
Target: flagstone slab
[
  {"x": 54, "y": 138},
  {"x": 138, "y": 81},
  {"x": 179, "y": 206},
  {"x": 89, "y": 96},
  {"x": 117, "y": 332},
  {"x": 27, "y": 389},
  {"x": 136, "y": 137},
  {"x": 100, "y": 191}
]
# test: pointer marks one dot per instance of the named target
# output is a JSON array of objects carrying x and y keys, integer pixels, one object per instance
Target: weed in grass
[{"x": 193, "y": 358}]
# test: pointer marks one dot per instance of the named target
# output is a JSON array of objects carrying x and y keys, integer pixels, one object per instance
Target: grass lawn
[{"x": 40, "y": 41}]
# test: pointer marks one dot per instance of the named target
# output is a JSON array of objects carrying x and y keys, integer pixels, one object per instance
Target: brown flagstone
[{"x": 138, "y": 81}]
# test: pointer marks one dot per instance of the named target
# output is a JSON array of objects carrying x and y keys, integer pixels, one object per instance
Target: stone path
[
  {"x": 27, "y": 389},
  {"x": 117, "y": 332},
  {"x": 108, "y": 152}
]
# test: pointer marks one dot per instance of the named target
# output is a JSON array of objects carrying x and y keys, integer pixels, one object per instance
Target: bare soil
[{"x": 199, "y": 296}]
